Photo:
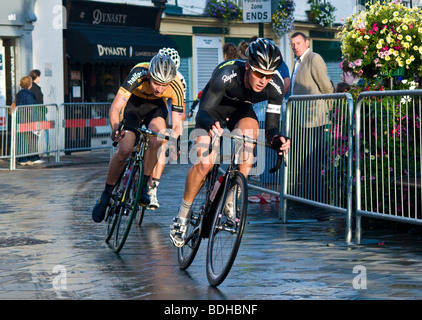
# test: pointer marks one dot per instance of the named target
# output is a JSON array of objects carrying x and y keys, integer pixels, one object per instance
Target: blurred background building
[{"x": 85, "y": 48}]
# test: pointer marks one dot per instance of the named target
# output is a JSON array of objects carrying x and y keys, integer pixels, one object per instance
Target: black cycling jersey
[{"x": 227, "y": 88}]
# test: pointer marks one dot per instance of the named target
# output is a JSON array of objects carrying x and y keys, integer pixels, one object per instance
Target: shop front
[
  {"x": 103, "y": 42},
  {"x": 16, "y": 25}
]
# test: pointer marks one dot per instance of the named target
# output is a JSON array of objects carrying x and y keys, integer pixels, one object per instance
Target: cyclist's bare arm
[
  {"x": 114, "y": 114},
  {"x": 177, "y": 123}
]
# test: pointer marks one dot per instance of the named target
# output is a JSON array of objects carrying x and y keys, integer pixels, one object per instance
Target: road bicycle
[
  {"x": 124, "y": 202},
  {"x": 219, "y": 215}
]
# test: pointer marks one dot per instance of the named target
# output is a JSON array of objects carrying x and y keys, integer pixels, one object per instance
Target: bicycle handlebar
[
  {"x": 245, "y": 139},
  {"x": 146, "y": 132}
]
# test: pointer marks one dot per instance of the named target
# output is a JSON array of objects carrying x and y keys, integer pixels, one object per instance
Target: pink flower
[{"x": 375, "y": 27}]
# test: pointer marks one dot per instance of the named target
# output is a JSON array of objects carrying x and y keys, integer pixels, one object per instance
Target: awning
[{"x": 113, "y": 45}]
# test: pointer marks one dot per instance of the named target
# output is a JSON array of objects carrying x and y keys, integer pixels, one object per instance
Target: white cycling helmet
[
  {"x": 173, "y": 54},
  {"x": 162, "y": 68}
]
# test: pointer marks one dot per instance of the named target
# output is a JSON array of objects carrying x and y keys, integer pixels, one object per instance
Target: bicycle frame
[
  {"x": 125, "y": 205},
  {"x": 210, "y": 207}
]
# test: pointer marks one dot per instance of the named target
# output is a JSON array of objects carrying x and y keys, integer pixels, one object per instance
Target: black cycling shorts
[
  {"x": 233, "y": 114},
  {"x": 139, "y": 111}
]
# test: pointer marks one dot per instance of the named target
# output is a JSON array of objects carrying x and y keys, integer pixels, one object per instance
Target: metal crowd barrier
[
  {"x": 319, "y": 169},
  {"x": 34, "y": 131},
  {"x": 48, "y": 129},
  {"x": 5, "y": 114},
  {"x": 266, "y": 182},
  {"x": 319, "y": 163},
  {"x": 388, "y": 157},
  {"x": 86, "y": 126}
]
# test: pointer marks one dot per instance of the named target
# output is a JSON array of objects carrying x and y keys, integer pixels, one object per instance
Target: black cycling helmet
[
  {"x": 162, "y": 68},
  {"x": 264, "y": 54}
]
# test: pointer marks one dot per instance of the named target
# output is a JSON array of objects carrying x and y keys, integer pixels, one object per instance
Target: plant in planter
[
  {"x": 283, "y": 18},
  {"x": 225, "y": 10},
  {"x": 322, "y": 13},
  {"x": 383, "y": 41}
]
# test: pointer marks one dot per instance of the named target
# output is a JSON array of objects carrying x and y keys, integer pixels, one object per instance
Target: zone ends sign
[{"x": 256, "y": 11}]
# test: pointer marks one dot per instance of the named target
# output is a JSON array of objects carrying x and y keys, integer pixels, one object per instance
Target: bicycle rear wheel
[
  {"x": 128, "y": 208},
  {"x": 187, "y": 253},
  {"x": 226, "y": 233}
]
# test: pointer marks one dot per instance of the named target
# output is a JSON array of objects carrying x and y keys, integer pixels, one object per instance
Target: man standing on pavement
[
  {"x": 38, "y": 113},
  {"x": 310, "y": 76}
]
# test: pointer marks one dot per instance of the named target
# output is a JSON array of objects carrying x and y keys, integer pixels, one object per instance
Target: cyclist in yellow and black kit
[{"x": 143, "y": 95}]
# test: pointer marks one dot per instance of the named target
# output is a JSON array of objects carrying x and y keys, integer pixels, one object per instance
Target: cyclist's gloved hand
[
  {"x": 118, "y": 134},
  {"x": 216, "y": 129},
  {"x": 175, "y": 151},
  {"x": 280, "y": 144},
  {"x": 174, "y": 147}
]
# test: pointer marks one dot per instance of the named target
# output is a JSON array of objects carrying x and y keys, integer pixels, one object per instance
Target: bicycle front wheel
[
  {"x": 140, "y": 215},
  {"x": 111, "y": 216},
  {"x": 128, "y": 208},
  {"x": 227, "y": 229},
  {"x": 187, "y": 253}
]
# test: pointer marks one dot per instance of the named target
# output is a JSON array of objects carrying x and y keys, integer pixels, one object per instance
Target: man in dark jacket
[
  {"x": 40, "y": 112},
  {"x": 35, "y": 75}
]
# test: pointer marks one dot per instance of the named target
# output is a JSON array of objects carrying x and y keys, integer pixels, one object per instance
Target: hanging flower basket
[
  {"x": 322, "y": 13},
  {"x": 283, "y": 18},
  {"x": 225, "y": 10}
]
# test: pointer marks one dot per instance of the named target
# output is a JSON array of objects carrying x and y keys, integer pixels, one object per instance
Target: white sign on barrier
[{"x": 256, "y": 11}]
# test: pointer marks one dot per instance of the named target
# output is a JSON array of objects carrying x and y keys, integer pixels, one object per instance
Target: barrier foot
[{"x": 279, "y": 221}]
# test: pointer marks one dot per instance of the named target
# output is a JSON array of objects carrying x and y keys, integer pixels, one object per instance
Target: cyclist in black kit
[{"x": 228, "y": 97}]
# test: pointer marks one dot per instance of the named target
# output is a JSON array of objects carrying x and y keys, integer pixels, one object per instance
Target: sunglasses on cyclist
[{"x": 262, "y": 74}]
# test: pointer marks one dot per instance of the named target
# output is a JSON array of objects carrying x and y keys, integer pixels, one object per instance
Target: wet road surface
[{"x": 51, "y": 249}]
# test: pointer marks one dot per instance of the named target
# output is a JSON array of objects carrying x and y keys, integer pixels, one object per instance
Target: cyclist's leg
[
  {"x": 133, "y": 118},
  {"x": 116, "y": 165},
  {"x": 244, "y": 121},
  {"x": 118, "y": 160},
  {"x": 194, "y": 180},
  {"x": 248, "y": 127},
  {"x": 155, "y": 121}
]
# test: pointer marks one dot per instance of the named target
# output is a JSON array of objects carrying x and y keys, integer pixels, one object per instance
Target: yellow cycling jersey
[{"x": 138, "y": 84}]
